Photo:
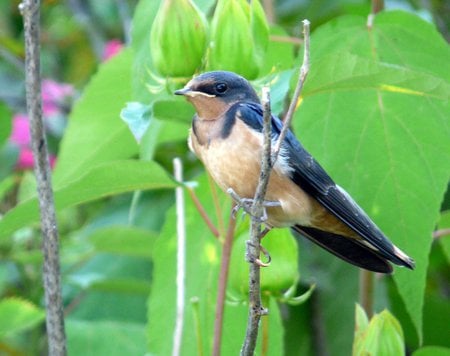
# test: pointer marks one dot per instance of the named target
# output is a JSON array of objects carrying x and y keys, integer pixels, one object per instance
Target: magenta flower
[
  {"x": 54, "y": 95},
  {"x": 111, "y": 49},
  {"x": 20, "y": 134}
]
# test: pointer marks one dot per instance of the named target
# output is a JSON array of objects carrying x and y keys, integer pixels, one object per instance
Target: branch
[
  {"x": 269, "y": 157},
  {"x": 223, "y": 279},
  {"x": 298, "y": 89},
  {"x": 181, "y": 258},
  {"x": 256, "y": 310},
  {"x": 30, "y": 10}
]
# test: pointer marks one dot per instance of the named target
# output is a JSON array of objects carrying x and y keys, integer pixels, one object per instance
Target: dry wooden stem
[
  {"x": 256, "y": 310},
  {"x": 269, "y": 157},
  {"x": 30, "y": 10}
]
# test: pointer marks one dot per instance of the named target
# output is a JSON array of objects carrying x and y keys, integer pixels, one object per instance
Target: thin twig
[
  {"x": 223, "y": 279},
  {"x": 366, "y": 284},
  {"x": 203, "y": 213},
  {"x": 298, "y": 89},
  {"x": 30, "y": 10},
  {"x": 441, "y": 233},
  {"x": 256, "y": 310},
  {"x": 181, "y": 258}
]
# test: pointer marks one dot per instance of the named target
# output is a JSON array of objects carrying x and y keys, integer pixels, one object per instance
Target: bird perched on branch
[{"x": 227, "y": 137}]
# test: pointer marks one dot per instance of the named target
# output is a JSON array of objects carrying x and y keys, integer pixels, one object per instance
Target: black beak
[{"x": 183, "y": 91}]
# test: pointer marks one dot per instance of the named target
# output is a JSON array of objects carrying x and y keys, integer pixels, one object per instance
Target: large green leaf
[
  {"x": 202, "y": 268},
  {"x": 95, "y": 133},
  {"x": 375, "y": 113},
  {"x": 105, "y": 179},
  {"x": 104, "y": 338},
  {"x": 17, "y": 315}
]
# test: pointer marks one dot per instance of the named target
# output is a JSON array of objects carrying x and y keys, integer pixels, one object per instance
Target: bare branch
[
  {"x": 181, "y": 258},
  {"x": 298, "y": 89},
  {"x": 56, "y": 337},
  {"x": 256, "y": 310},
  {"x": 268, "y": 159}
]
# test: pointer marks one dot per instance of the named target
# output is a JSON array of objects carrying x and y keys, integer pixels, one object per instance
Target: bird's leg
[
  {"x": 251, "y": 259},
  {"x": 246, "y": 205}
]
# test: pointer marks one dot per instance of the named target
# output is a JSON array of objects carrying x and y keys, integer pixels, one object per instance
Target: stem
[
  {"x": 181, "y": 259},
  {"x": 223, "y": 279},
  {"x": 366, "y": 283},
  {"x": 441, "y": 233},
  {"x": 56, "y": 337},
  {"x": 256, "y": 309},
  {"x": 304, "y": 69},
  {"x": 203, "y": 213}
]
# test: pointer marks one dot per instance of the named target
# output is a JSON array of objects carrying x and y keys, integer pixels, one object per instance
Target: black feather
[{"x": 312, "y": 178}]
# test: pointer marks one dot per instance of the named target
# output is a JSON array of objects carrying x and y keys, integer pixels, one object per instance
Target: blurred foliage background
[{"x": 115, "y": 197}]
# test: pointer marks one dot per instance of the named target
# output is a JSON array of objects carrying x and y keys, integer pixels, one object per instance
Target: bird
[{"x": 227, "y": 136}]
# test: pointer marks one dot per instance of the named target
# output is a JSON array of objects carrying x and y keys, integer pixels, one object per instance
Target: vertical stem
[
  {"x": 256, "y": 309},
  {"x": 366, "y": 290},
  {"x": 181, "y": 259},
  {"x": 223, "y": 278},
  {"x": 56, "y": 337}
]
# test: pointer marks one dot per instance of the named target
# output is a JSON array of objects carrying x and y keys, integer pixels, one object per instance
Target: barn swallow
[{"x": 226, "y": 135}]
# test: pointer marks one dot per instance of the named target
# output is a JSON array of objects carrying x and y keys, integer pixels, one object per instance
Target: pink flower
[
  {"x": 25, "y": 160},
  {"x": 20, "y": 134},
  {"x": 53, "y": 95},
  {"x": 111, "y": 49}
]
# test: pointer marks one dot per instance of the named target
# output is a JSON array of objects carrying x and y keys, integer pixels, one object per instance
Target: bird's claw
[
  {"x": 246, "y": 205},
  {"x": 256, "y": 260}
]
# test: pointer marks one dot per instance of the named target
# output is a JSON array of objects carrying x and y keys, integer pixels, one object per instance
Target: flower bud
[
  {"x": 239, "y": 37},
  {"x": 178, "y": 38},
  {"x": 383, "y": 335}
]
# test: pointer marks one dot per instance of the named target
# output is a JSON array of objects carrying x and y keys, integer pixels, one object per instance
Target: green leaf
[
  {"x": 444, "y": 223},
  {"x": 382, "y": 336},
  {"x": 95, "y": 133},
  {"x": 176, "y": 109},
  {"x": 106, "y": 179},
  {"x": 203, "y": 253},
  {"x": 5, "y": 123},
  {"x": 123, "y": 240},
  {"x": 17, "y": 315},
  {"x": 432, "y": 351},
  {"x": 375, "y": 113},
  {"x": 105, "y": 338}
]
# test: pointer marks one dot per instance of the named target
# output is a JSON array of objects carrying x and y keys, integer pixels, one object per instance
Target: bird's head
[{"x": 212, "y": 93}]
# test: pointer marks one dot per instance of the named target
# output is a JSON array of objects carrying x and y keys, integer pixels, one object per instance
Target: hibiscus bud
[
  {"x": 178, "y": 38},
  {"x": 239, "y": 37}
]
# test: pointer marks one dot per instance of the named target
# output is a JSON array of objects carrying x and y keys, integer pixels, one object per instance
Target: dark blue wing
[{"x": 312, "y": 178}]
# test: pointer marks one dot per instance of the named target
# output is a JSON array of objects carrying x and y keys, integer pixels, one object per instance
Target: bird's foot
[
  {"x": 246, "y": 205},
  {"x": 251, "y": 258}
]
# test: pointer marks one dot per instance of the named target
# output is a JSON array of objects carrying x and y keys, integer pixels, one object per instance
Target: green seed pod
[
  {"x": 178, "y": 38},
  {"x": 238, "y": 37},
  {"x": 383, "y": 335}
]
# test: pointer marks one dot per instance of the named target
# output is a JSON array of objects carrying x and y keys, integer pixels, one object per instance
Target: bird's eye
[{"x": 221, "y": 88}]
